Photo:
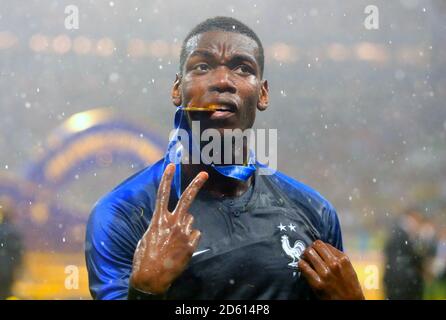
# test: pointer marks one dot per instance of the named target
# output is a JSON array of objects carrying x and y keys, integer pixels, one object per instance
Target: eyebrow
[{"x": 237, "y": 56}]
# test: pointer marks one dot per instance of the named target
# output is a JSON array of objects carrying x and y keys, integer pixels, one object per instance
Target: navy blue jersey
[{"x": 249, "y": 246}]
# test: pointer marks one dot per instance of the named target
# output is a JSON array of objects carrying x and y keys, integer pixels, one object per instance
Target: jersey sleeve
[
  {"x": 110, "y": 243},
  {"x": 333, "y": 233}
]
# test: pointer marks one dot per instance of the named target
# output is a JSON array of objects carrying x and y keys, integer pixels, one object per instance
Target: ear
[
  {"x": 176, "y": 91},
  {"x": 263, "y": 102}
]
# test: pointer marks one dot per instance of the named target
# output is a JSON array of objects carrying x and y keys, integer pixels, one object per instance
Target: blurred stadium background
[{"x": 361, "y": 117}]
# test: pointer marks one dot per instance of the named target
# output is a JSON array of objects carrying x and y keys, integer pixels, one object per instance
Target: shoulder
[
  {"x": 300, "y": 193},
  {"x": 316, "y": 208},
  {"x": 124, "y": 204},
  {"x": 135, "y": 190}
]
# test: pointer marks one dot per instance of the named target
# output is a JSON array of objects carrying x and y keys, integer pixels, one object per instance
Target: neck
[{"x": 217, "y": 184}]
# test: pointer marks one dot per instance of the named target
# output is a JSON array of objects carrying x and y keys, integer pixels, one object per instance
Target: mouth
[
  {"x": 224, "y": 107},
  {"x": 222, "y": 110},
  {"x": 217, "y": 110}
]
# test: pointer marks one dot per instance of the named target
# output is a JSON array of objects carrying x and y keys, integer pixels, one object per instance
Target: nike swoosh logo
[{"x": 196, "y": 253}]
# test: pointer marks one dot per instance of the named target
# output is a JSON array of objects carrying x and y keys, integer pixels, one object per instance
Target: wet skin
[{"x": 221, "y": 68}]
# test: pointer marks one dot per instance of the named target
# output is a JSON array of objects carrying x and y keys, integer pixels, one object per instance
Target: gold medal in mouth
[{"x": 210, "y": 108}]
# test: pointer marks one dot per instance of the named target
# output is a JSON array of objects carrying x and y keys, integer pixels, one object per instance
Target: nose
[{"x": 221, "y": 81}]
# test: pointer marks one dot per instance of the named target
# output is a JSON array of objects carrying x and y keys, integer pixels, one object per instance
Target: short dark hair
[{"x": 227, "y": 24}]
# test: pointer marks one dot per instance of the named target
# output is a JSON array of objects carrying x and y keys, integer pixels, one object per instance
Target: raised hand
[{"x": 167, "y": 246}]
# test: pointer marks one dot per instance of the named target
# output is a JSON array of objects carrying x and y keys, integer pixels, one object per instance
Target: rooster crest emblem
[{"x": 294, "y": 252}]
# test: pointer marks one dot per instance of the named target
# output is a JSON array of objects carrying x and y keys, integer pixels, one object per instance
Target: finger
[
  {"x": 324, "y": 252},
  {"x": 343, "y": 259},
  {"x": 184, "y": 218},
  {"x": 188, "y": 221},
  {"x": 163, "y": 195},
  {"x": 190, "y": 193},
  {"x": 194, "y": 239},
  {"x": 310, "y": 255},
  {"x": 337, "y": 253},
  {"x": 312, "y": 277}
]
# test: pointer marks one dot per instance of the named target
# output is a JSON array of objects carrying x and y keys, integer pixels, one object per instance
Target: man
[
  {"x": 232, "y": 233},
  {"x": 403, "y": 277},
  {"x": 11, "y": 249}
]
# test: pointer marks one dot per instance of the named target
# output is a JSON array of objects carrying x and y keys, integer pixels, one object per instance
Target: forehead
[{"x": 221, "y": 42}]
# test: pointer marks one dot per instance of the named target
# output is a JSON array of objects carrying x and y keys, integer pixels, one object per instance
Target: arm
[{"x": 110, "y": 242}]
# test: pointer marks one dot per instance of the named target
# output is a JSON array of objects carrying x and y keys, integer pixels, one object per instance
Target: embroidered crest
[{"x": 293, "y": 251}]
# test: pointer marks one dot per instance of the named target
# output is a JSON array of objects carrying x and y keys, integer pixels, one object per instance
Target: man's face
[{"x": 222, "y": 69}]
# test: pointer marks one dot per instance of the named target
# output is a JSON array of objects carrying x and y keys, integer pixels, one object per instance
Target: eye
[
  {"x": 244, "y": 69},
  {"x": 202, "y": 67}
]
